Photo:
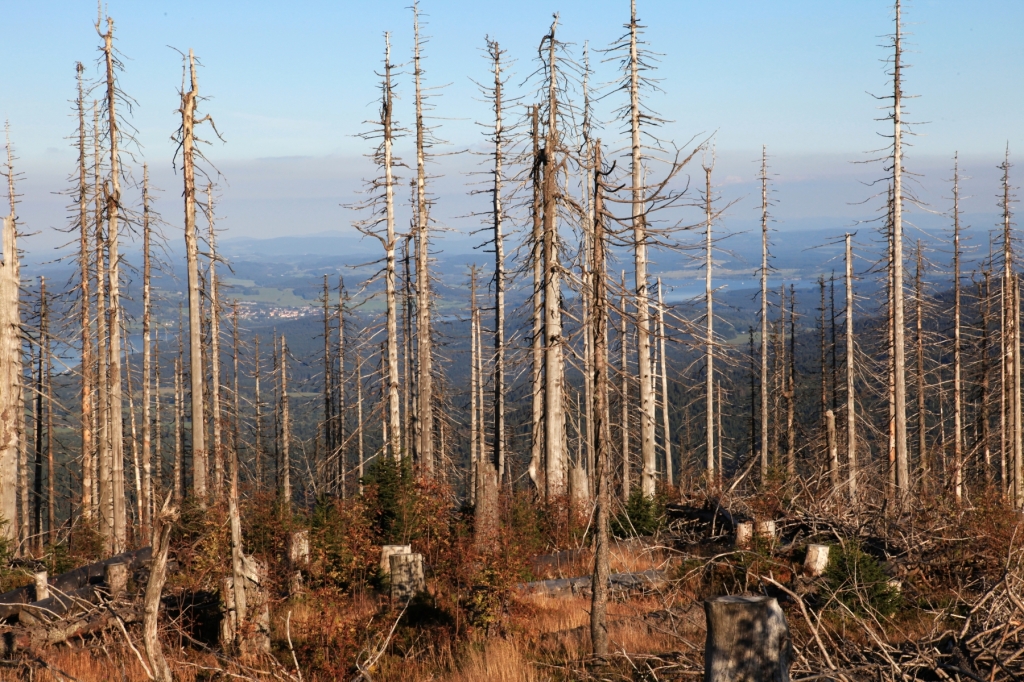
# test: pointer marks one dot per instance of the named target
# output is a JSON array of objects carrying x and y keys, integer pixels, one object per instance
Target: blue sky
[{"x": 292, "y": 84}]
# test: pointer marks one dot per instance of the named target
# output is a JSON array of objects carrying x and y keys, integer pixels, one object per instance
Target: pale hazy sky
[{"x": 291, "y": 84}]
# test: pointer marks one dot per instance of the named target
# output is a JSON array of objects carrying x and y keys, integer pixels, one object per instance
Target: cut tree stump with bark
[
  {"x": 747, "y": 640},
  {"x": 817, "y": 560},
  {"x": 42, "y": 585},
  {"x": 406, "y": 577},
  {"x": 387, "y": 551},
  {"x": 744, "y": 534},
  {"x": 116, "y": 577}
]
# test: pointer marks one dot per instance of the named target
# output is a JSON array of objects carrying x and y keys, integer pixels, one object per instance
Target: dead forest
[{"x": 544, "y": 479}]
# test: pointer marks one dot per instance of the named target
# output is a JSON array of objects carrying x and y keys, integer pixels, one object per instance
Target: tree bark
[
  {"x": 146, "y": 500},
  {"x": 764, "y": 313},
  {"x": 424, "y": 380},
  {"x": 116, "y": 543},
  {"x": 647, "y": 402},
  {"x": 188, "y": 121},
  {"x": 851, "y": 415},
  {"x": 85, "y": 311},
  {"x": 899, "y": 327},
  {"x": 537, "y": 299},
  {"x": 602, "y": 431},
  {"x": 709, "y": 347},
  {"x": 747, "y": 639},
  {"x": 958, "y": 455},
  {"x": 214, "y": 295},
  {"x": 10, "y": 378},
  {"x": 284, "y": 473},
  {"x": 554, "y": 370},
  {"x": 162, "y": 527},
  {"x": 624, "y": 393},
  {"x": 669, "y": 474}
]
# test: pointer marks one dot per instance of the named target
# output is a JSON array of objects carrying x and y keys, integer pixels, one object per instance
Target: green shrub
[
  {"x": 642, "y": 516},
  {"x": 389, "y": 493},
  {"x": 858, "y": 581}
]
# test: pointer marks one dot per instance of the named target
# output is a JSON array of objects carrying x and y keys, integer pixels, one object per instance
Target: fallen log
[
  {"x": 13, "y": 602},
  {"x": 22, "y": 637}
]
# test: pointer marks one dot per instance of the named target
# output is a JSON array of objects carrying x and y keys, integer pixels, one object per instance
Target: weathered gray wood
[
  {"x": 385, "y": 555},
  {"x": 744, "y": 534},
  {"x": 42, "y": 585},
  {"x": 817, "y": 560},
  {"x": 298, "y": 549},
  {"x": 747, "y": 640},
  {"x": 765, "y": 529},
  {"x": 116, "y": 577},
  {"x": 406, "y": 577}
]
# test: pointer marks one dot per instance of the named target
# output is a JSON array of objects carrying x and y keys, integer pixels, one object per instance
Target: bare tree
[
  {"x": 602, "y": 429},
  {"x": 851, "y": 416},
  {"x": 896, "y": 257},
  {"x": 214, "y": 296},
  {"x": 958, "y": 439},
  {"x": 424, "y": 379},
  {"x": 112, "y": 193},
  {"x": 709, "y": 342},
  {"x": 187, "y": 140},
  {"x": 667, "y": 431},
  {"x": 384, "y": 157}
]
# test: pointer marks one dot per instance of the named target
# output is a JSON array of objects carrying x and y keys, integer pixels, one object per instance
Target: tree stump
[
  {"x": 579, "y": 484},
  {"x": 406, "y": 577},
  {"x": 298, "y": 559},
  {"x": 298, "y": 549},
  {"x": 765, "y": 529},
  {"x": 229, "y": 615},
  {"x": 387, "y": 551},
  {"x": 257, "y": 606},
  {"x": 817, "y": 560},
  {"x": 747, "y": 640},
  {"x": 744, "y": 534},
  {"x": 42, "y": 586},
  {"x": 116, "y": 577}
]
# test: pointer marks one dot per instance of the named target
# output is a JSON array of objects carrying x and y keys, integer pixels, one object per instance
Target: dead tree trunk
[
  {"x": 12, "y": 408},
  {"x": 624, "y": 391},
  {"x": 958, "y": 454},
  {"x": 499, "y": 266},
  {"x": 179, "y": 410},
  {"x": 666, "y": 427},
  {"x": 747, "y": 639},
  {"x": 116, "y": 542},
  {"x": 647, "y": 402},
  {"x": 709, "y": 342},
  {"x": 922, "y": 425},
  {"x": 163, "y": 524},
  {"x": 284, "y": 476},
  {"x": 146, "y": 501},
  {"x": 258, "y": 407},
  {"x": 790, "y": 371},
  {"x": 537, "y": 300},
  {"x": 85, "y": 311},
  {"x": 214, "y": 295},
  {"x": 851, "y": 415},
  {"x": 554, "y": 370},
  {"x": 424, "y": 380},
  {"x": 189, "y": 101},
  {"x": 899, "y": 327},
  {"x": 764, "y": 313},
  {"x": 602, "y": 430}
]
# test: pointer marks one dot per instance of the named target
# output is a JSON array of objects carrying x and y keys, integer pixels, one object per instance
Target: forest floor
[{"x": 928, "y": 594}]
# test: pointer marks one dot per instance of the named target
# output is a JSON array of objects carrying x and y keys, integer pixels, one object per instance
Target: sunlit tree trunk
[
  {"x": 188, "y": 121},
  {"x": 424, "y": 379}
]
